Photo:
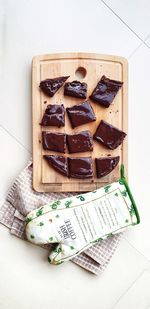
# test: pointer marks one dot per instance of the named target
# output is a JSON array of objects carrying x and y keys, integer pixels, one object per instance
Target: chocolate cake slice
[
  {"x": 76, "y": 89},
  {"x": 80, "y": 114},
  {"x": 59, "y": 163},
  {"x": 51, "y": 85},
  {"x": 54, "y": 141},
  {"x": 105, "y": 91},
  {"x": 80, "y": 167},
  {"x": 108, "y": 135},
  {"x": 105, "y": 165},
  {"x": 80, "y": 142},
  {"x": 54, "y": 116}
]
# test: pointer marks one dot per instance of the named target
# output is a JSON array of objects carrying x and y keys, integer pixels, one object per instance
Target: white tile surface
[
  {"x": 33, "y": 27},
  {"x": 36, "y": 27},
  {"x": 135, "y": 13},
  {"x": 139, "y": 146},
  {"x": 13, "y": 158},
  {"x": 32, "y": 282},
  {"x": 138, "y": 296}
]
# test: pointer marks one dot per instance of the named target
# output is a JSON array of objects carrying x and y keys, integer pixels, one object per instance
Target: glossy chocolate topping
[
  {"x": 76, "y": 89},
  {"x": 51, "y": 85},
  {"x": 54, "y": 141},
  {"x": 105, "y": 165},
  {"x": 80, "y": 142},
  {"x": 59, "y": 163},
  {"x": 105, "y": 91},
  {"x": 54, "y": 116},
  {"x": 80, "y": 167},
  {"x": 108, "y": 135},
  {"x": 80, "y": 114}
]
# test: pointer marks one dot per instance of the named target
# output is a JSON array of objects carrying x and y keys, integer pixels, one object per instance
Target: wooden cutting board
[{"x": 93, "y": 66}]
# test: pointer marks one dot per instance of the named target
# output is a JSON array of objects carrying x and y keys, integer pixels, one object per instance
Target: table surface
[{"x": 33, "y": 27}]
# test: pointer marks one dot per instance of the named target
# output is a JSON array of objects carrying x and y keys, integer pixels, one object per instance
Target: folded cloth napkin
[{"x": 22, "y": 199}]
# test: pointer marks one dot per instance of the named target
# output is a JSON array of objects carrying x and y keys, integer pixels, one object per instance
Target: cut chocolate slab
[
  {"x": 80, "y": 167},
  {"x": 105, "y": 91},
  {"x": 108, "y": 135},
  {"x": 76, "y": 89},
  {"x": 51, "y": 85},
  {"x": 105, "y": 165},
  {"x": 80, "y": 114},
  {"x": 54, "y": 116},
  {"x": 59, "y": 163},
  {"x": 54, "y": 141},
  {"x": 80, "y": 142}
]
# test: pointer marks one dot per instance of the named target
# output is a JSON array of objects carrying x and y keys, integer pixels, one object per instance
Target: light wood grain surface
[{"x": 45, "y": 179}]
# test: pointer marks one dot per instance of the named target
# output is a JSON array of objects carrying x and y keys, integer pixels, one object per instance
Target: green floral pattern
[
  {"x": 68, "y": 203},
  {"x": 55, "y": 204},
  {"x": 54, "y": 215},
  {"x": 39, "y": 212},
  {"x": 28, "y": 219},
  {"x": 41, "y": 224},
  {"x": 109, "y": 235},
  {"x": 106, "y": 188},
  {"x": 124, "y": 193},
  {"x": 81, "y": 197},
  {"x": 57, "y": 250}
]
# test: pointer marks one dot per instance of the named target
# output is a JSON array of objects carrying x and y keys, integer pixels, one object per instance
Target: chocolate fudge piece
[
  {"x": 80, "y": 142},
  {"x": 54, "y": 116},
  {"x": 59, "y": 163},
  {"x": 51, "y": 85},
  {"x": 80, "y": 167},
  {"x": 105, "y": 165},
  {"x": 105, "y": 91},
  {"x": 54, "y": 141},
  {"x": 80, "y": 114},
  {"x": 76, "y": 89},
  {"x": 108, "y": 135}
]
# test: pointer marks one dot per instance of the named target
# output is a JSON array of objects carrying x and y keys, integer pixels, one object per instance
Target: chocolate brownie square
[
  {"x": 80, "y": 114},
  {"x": 54, "y": 141},
  {"x": 80, "y": 142},
  {"x": 105, "y": 91},
  {"x": 54, "y": 116},
  {"x": 80, "y": 167},
  {"x": 76, "y": 89},
  {"x": 108, "y": 135}
]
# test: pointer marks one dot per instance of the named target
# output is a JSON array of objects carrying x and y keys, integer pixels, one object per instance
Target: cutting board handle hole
[{"x": 80, "y": 72}]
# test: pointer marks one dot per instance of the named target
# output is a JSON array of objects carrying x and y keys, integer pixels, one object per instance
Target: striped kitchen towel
[{"x": 22, "y": 199}]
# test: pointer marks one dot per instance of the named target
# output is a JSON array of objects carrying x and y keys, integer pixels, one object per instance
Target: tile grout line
[
  {"x": 137, "y": 48},
  {"x": 143, "y": 41},
  {"x": 136, "y": 249},
  {"x": 12, "y": 136},
  {"x": 127, "y": 290}
]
